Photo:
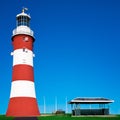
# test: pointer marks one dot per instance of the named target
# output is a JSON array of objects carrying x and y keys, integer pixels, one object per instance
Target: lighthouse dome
[{"x": 23, "y": 14}]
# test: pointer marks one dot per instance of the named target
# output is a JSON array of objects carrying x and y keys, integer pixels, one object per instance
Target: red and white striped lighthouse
[{"x": 22, "y": 97}]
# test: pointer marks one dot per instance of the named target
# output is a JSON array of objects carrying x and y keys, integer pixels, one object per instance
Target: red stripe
[
  {"x": 20, "y": 41},
  {"x": 22, "y": 106},
  {"x": 23, "y": 72}
]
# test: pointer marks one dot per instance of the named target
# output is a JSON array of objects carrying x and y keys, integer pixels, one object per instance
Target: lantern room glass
[{"x": 23, "y": 21}]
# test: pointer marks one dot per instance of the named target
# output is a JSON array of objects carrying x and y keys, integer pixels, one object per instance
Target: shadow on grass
[{"x": 25, "y": 118}]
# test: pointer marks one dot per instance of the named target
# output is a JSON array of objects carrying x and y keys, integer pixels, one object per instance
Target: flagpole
[
  {"x": 66, "y": 106},
  {"x": 44, "y": 105},
  {"x": 55, "y": 103}
]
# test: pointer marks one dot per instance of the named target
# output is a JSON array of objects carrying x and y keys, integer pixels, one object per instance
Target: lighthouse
[{"x": 22, "y": 101}]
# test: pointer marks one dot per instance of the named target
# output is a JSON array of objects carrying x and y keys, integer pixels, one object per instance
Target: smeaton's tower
[{"x": 22, "y": 97}]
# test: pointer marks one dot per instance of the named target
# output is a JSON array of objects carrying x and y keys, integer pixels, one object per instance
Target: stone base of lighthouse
[{"x": 22, "y": 107}]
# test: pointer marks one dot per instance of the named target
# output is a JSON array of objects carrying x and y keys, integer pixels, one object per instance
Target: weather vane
[{"x": 24, "y": 9}]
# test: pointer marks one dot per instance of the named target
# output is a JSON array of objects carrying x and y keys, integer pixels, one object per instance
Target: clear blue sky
[{"x": 77, "y": 49}]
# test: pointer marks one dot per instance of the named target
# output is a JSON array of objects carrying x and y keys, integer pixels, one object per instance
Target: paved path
[{"x": 25, "y": 118}]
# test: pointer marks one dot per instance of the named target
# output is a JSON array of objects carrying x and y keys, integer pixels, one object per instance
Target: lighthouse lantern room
[{"x": 22, "y": 97}]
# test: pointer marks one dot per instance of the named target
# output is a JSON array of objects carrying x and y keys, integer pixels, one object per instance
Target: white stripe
[
  {"x": 22, "y": 88},
  {"x": 23, "y": 56}
]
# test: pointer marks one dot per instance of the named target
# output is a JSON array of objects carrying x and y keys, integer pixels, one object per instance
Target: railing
[{"x": 23, "y": 30}]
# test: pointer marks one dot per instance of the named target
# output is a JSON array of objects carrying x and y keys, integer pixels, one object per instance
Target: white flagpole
[
  {"x": 55, "y": 103},
  {"x": 66, "y": 106},
  {"x": 44, "y": 105}
]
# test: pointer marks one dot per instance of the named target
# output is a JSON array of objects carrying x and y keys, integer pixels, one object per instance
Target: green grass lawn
[
  {"x": 3, "y": 117},
  {"x": 77, "y": 118}
]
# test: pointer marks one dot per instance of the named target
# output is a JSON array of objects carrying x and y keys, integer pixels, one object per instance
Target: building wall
[{"x": 77, "y": 112}]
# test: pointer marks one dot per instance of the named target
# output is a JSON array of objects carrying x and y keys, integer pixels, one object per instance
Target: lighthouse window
[
  {"x": 25, "y": 39},
  {"x": 23, "y": 20},
  {"x": 23, "y": 49}
]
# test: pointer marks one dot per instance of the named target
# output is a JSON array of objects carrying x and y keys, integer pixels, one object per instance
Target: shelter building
[{"x": 97, "y": 106}]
